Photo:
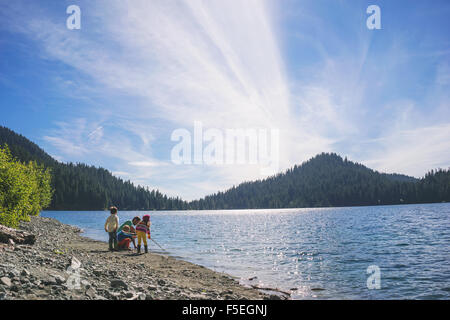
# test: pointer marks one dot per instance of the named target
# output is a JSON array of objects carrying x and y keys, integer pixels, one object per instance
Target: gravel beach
[{"x": 62, "y": 264}]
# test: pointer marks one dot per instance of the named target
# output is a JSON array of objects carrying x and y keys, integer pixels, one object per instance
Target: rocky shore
[{"x": 64, "y": 265}]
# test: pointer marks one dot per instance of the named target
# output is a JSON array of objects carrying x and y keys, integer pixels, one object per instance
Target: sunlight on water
[{"x": 314, "y": 253}]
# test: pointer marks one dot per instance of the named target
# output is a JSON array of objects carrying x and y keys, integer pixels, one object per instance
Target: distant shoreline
[{"x": 286, "y": 208}]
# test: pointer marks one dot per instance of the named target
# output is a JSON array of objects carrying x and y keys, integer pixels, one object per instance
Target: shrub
[{"x": 25, "y": 189}]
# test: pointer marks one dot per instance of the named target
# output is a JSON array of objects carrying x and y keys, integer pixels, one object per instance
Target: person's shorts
[{"x": 124, "y": 244}]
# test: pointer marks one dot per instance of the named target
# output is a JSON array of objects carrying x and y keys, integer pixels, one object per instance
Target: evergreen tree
[{"x": 326, "y": 180}]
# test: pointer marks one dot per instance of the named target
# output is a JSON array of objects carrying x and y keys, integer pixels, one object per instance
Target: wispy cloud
[
  {"x": 96, "y": 135},
  {"x": 66, "y": 146},
  {"x": 403, "y": 151},
  {"x": 189, "y": 62},
  {"x": 146, "y": 163},
  {"x": 161, "y": 65}
]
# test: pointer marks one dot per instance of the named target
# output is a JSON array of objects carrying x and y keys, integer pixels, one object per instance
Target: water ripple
[{"x": 321, "y": 253}]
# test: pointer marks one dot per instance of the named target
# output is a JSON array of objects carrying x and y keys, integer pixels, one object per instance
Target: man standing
[{"x": 111, "y": 226}]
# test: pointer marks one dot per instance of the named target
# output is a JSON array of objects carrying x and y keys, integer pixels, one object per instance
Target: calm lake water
[{"x": 329, "y": 248}]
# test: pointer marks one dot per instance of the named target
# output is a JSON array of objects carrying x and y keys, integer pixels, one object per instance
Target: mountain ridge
[
  {"x": 322, "y": 181},
  {"x": 82, "y": 187},
  {"x": 330, "y": 180}
]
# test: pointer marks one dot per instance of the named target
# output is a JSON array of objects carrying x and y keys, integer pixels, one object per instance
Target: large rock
[
  {"x": 17, "y": 236},
  {"x": 50, "y": 280},
  {"x": 91, "y": 293},
  {"x": 5, "y": 281},
  {"x": 117, "y": 283}
]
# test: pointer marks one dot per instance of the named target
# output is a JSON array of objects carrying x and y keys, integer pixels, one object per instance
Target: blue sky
[{"x": 112, "y": 93}]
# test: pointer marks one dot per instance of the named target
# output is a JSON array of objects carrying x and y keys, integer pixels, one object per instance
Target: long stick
[{"x": 158, "y": 245}]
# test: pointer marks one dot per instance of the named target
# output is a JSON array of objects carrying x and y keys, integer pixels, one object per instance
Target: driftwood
[
  {"x": 18, "y": 236},
  {"x": 271, "y": 289}
]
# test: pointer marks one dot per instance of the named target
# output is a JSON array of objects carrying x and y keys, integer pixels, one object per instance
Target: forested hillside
[
  {"x": 323, "y": 181},
  {"x": 329, "y": 180},
  {"x": 83, "y": 187}
]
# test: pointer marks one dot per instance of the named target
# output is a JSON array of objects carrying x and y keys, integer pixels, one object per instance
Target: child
[
  {"x": 131, "y": 223},
  {"x": 142, "y": 230},
  {"x": 111, "y": 226},
  {"x": 124, "y": 237}
]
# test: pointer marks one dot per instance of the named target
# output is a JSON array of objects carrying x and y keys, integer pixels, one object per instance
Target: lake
[{"x": 307, "y": 249}]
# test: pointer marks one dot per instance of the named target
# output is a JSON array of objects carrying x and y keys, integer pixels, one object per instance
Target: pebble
[
  {"x": 14, "y": 273},
  {"x": 161, "y": 282},
  {"x": 25, "y": 273}
]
